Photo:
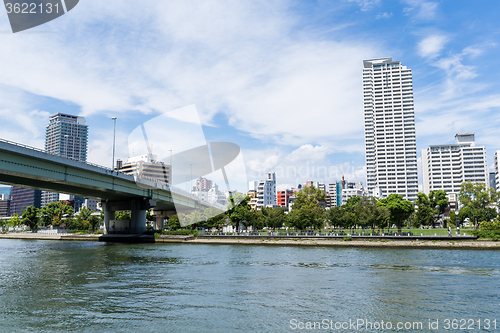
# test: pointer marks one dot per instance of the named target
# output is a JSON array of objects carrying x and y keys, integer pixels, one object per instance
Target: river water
[{"x": 57, "y": 286}]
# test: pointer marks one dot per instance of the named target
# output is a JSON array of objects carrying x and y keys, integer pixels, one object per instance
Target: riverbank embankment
[{"x": 441, "y": 243}]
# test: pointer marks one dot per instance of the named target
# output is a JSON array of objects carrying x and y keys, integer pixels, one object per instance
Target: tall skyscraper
[
  {"x": 390, "y": 143},
  {"x": 67, "y": 136},
  {"x": 446, "y": 167}
]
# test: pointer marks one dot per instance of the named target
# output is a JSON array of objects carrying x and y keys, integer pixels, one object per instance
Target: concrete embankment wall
[{"x": 403, "y": 242}]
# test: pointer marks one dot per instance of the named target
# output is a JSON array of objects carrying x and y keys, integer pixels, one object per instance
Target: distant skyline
[{"x": 282, "y": 79}]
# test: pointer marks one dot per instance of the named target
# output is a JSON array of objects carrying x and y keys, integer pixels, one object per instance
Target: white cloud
[
  {"x": 384, "y": 15},
  {"x": 366, "y": 5},
  {"x": 309, "y": 153},
  {"x": 240, "y": 58},
  {"x": 431, "y": 46},
  {"x": 421, "y": 10},
  {"x": 308, "y": 162}
]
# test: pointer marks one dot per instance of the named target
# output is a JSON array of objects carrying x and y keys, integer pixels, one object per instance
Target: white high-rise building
[
  {"x": 446, "y": 167},
  {"x": 266, "y": 190},
  {"x": 391, "y": 150}
]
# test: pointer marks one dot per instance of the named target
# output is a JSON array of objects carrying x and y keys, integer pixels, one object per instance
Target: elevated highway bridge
[{"x": 30, "y": 167}]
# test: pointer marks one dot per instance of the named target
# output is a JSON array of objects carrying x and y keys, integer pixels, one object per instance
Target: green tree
[
  {"x": 353, "y": 208},
  {"x": 439, "y": 202},
  {"x": 475, "y": 199},
  {"x": 311, "y": 216},
  {"x": 462, "y": 215},
  {"x": 399, "y": 209},
  {"x": 273, "y": 218},
  {"x": 173, "y": 222},
  {"x": 425, "y": 211},
  {"x": 123, "y": 215},
  {"x": 216, "y": 221},
  {"x": 307, "y": 210},
  {"x": 15, "y": 221},
  {"x": 242, "y": 213},
  {"x": 4, "y": 223},
  {"x": 371, "y": 215},
  {"x": 30, "y": 218},
  {"x": 452, "y": 221},
  {"x": 235, "y": 199},
  {"x": 83, "y": 219},
  {"x": 54, "y": 212},
  {"x": 307, "y": 196},
  {"x": 337, "y": 217}
]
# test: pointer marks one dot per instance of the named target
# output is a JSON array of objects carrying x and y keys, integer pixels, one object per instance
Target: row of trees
[
  {"x": 55, "y": 214},
  {"x": 308, "y": 213}
]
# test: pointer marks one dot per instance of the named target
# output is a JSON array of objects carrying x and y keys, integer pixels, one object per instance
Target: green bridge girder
[{"x": 30, "y": 167}]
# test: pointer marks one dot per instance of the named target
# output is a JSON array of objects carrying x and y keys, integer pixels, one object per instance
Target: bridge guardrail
[
  {"x": 156, "y": 182},
  {"x": 49, "y": 153}
]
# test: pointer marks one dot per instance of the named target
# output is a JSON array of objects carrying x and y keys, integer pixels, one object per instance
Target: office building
[
  {"x": 67, "y": 136},
  {"x": 21, "y": 197},
  {"x": 446, "y": 167},
  {"x": 4, "y": 205},
  {"x": 92, "y": 204},
  {"x": 390, "y": 143}
]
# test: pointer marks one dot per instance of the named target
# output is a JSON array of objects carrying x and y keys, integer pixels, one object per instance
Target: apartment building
[
  {"x": 446, "y": 167},
  {"x": 390, "y": 142}
]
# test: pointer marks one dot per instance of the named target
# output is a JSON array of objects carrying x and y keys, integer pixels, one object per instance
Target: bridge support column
[
  {"x": 161, "y": 215},
  {"x": 138, "y": 217},
  {"x": 138, "y": 209},
  {"x": 108, "y": 216}
]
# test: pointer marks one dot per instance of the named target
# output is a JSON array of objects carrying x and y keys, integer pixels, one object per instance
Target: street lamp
[{"x": 114, "y": 135}]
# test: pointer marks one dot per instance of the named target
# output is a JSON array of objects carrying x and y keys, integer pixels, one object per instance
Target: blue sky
[{"x": 282, "y": 79}]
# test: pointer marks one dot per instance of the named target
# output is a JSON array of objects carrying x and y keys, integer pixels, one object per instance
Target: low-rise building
[
  {"x": 283, "y": 197},
  {"x": 353, "y": 190},
  {"x": 266, "y": 190},
  {"x": 334, "y": 194},
  {"x": 146, "y": 166}
]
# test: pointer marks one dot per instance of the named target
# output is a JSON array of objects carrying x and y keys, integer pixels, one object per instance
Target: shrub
[
  {"x": 182, "y": 232},
  {"x": 347, "y": 239}
]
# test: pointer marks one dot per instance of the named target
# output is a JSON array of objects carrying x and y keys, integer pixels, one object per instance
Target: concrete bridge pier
[
  {"x": 161, "y": 215},
  {"x": 137, "y": 208}
]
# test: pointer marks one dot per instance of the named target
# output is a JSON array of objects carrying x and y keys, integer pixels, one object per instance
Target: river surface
[{"x": 58, "y": 286}]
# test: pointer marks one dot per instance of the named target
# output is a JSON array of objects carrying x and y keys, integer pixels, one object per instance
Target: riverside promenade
[{"x": 466, "y": 243}]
